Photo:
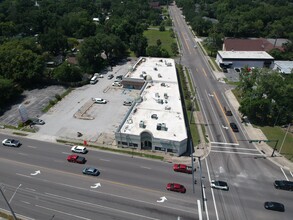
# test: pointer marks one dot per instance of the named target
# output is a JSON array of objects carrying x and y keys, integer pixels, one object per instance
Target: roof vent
[
  {"x": 160, "y": 101},
  {"x": 159, "y": 75},
  {"x": 154, "y": 116},
  {"x": 141, "y": 124},
  {"x": 163, "y": 84},
  {"x": 159, "y": 126},
  {"x": 163, "y": 127},
  {"x": 166, "y": 96},
  {"x": 167, "y": 107},
  {"x": 157, "y": 95}
]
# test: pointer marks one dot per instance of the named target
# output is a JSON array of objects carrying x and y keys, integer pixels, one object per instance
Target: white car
[
  {"x": 99, "y": 100},
  {"x": 219, "y": 185},
  {"x": 79, "y": 149},
  {"x": 116, "y": 84},
  {"x": 11, "y": 143}
]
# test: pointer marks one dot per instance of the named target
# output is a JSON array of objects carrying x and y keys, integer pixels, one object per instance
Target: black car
[
  {"x": 234, "y": 127},
  {"x": 275, "y": 206},
  {"x": 110, "y": 76},
  {"x": 284, "y": 184},
  {"x": 119, "y": 77}
]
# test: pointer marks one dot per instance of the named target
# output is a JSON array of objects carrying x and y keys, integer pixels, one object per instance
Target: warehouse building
[
  {"x": 240, "y": 59},
  {"x": 155, "y": 121}
]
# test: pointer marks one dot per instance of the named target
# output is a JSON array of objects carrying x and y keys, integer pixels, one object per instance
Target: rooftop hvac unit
[
  {"x": 141, "y": 124},
  {"x": 159, "y": 75},
  {"x": 166, "y": 96},
  {"x": 159, "y": 126},
  {"x": 167, "y": 107},
  {"x": 163, "y": 127},
  {"x": 157, "y": 95},
  {"x": 163, "y": 84},
  {"x": 160, "y": 101}
]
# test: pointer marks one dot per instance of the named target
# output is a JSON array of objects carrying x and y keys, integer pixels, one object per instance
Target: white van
[
  {"x": 99, "y": 100},
  {"x": 94, "y": 80}
]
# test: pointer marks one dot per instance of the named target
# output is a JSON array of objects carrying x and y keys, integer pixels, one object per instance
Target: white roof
[
  {"x": 244, "y": 55},
  {"x": 284, "y": 66},
  {"x": 169, "y": 110}
]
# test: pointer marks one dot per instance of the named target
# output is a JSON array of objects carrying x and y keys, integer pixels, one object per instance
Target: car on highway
[
  {"x": 176, "y": 187},
  {"x": 11, "y": 143},
  {"x": 110, "y": 76},
  {"x": 219, "y": 185},
  {"x": 182, "y": 168},
  {"x": 73, "y": 158},
  {"x": 275, "y": 206},
  {"x": 91, "y": 171},
  {"x": 99, "y": 100},
  {"x": 79, "y": 149},
  {"x": 234, "y": 127},
  {"x": 284, "y": 184}
]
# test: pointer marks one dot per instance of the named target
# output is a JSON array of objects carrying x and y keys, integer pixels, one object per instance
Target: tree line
[
  {"x": 216, "y": 19},
  {"x": 34, "y": 32}
]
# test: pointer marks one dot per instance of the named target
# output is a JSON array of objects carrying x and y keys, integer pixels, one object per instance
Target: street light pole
[
  {"x": 193, "y": 180},
  {"x": 201, "y": 186}
]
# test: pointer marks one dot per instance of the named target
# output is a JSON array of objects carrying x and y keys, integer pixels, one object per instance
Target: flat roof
[
  {"x": 245, "y": 55},
  {"x": 160, "y": 97}
]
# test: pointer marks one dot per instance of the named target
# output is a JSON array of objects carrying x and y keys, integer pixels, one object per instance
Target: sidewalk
[{"x": 257, "y": 134}]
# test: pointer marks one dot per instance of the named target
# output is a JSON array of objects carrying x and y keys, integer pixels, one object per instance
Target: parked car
[
  {"x": 284, "y": 184},
  {"x": 76, "y": 159},
  {"x": 110, "y": 76},
  {"x": 99, "y": 100},
  {"x": 99, "y": 75},
  {"x": 37, "y": 121},
  {"x": 91, "y": 171},
  {"x": 176, "y": 187},
  {"x": 219, "y": 185},
  {"x": 79, "y": 149},
  {"x": 182, "y": 168},
  {"x": 94, "y": 80},
  {"x": 119, "y": 77},
  {"x": 116, "y": 84},
  {"x": 234, "y": 127},
  {"x": 275, "y": 206},
  {"x": 11, "y": 143},
  {"x": 127, "y": 103}
]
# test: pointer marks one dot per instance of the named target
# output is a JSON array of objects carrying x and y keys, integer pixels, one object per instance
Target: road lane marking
[
  {"x": 217, "y": 118},
  {"x": 214, "y": 200},
  {"x": 284, "y": 173},
  {"x": 100, "y": 206},
  {"x": 291, "y": 173},
  {"x": 28, "y": 188},
  {"x": 31, "y": 146},
  {"x": 23, "y": 154},
  {"x": 148, "y": 168},
  {"x": 222, "y": 109},
  {"x": 105, "y": 160},
  {"x": 205, "y": 203},
  {"x": 204, "y": 72},
  {"x": 65, "y": 213},
  {"x": 230, "y": 152},
  {"x": 66, "y": 153},
  {"x": 222, "y": 143},
  {"x": 28, "y": 203},
  {"x": 236, "y": 148},
  {"x": 113, "y": 195}
]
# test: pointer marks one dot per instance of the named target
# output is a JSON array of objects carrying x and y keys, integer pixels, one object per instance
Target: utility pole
[
  {"x": 201, "y": 186},
  {"x": 275, "y": 148}
]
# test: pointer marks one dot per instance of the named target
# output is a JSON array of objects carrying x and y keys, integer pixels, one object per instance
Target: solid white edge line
[
  {"x": 291, "y": 173},
  {"x": 215, "y": 205},
  {"x": 205, "y": 203},
  {"x": 199, "y": 210},
  {"x": 284, "y": 173}
]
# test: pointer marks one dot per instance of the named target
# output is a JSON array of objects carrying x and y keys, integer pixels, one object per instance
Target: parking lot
[{"x": 77, "y": 112}]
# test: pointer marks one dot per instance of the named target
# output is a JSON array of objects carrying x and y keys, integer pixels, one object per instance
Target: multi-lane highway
[
  {"x": 232, "y": 158},
  {"x": 40, "y": 184}
]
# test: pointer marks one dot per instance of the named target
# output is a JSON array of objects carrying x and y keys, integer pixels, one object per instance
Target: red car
[
  {"x": 182, "y": 168},
  {"x": 176, "y": 187},
  {"x": 76, "y": 159}
]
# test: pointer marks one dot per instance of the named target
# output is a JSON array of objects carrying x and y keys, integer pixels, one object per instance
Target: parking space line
[{"x": 284, "y": 173}]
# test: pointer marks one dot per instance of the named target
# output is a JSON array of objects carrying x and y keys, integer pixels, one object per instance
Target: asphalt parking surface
[{"x": 60, "y": 120}]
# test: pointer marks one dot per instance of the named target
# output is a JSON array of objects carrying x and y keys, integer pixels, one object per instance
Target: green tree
[
  {"x": 67, "y": 73},
  {"x": 138, "y": 44},
  {"x": 54, "y": 41}
]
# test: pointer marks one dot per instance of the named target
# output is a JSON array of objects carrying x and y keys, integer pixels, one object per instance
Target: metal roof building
[
  {"x": 285, "y": 67},
  {"x": 155, "y": 120}
]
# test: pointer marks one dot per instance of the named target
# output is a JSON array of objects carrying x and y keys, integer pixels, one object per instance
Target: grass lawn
[
  {"x": 277, "y": 133},
  {"x": 164, "y": 36}
]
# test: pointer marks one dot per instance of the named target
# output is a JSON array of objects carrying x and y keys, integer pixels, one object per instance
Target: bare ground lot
[{"x": 63, "y": 120}]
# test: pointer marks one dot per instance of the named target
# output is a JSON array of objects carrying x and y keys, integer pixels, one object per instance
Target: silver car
[
  {"x": 219, "y": 185},
  {"x": 11, "y": 143}
]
